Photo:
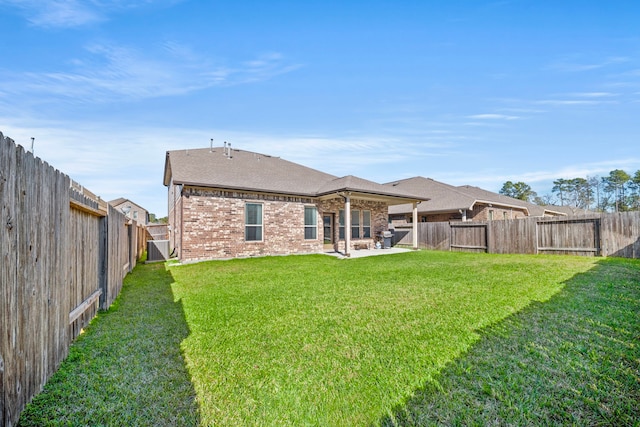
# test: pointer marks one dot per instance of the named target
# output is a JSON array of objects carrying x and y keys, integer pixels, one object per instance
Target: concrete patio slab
[{"x": 361, "y": 253}]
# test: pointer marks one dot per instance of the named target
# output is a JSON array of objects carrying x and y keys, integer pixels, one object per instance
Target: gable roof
[
  {"x": 121, "y": 200},
  {"x": 444, "y": 197},
  {"x": 502, "y": 200},
  {"x": 116, "y": 202},
  {"x": 220, "y": 167},
  {"x": 449, "y": 198}
]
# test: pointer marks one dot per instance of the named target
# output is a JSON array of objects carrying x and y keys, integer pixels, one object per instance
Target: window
[
  {"x": 135, "y": 214},
  {"x": 253, "y": 222},
  {"x": 366, "y": 224},
  {"x": 490, "y": 215},
  {"x": 341, "y": 224},
  {"x": 355, "y": 224},
  {"x": 310, "y": 223}
]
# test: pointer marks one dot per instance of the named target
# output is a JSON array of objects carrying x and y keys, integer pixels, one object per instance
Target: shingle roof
[
  {"x": 495, "y": 198},
  {"x": 448, "y": 198},
  {"x": 482, "y": 195},
  {"x": 249, "y": 171},
  {"x": 117, "y": 201},
  {"x": 444, "y": 197}
]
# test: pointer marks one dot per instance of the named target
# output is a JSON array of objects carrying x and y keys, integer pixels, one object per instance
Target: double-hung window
[
  {"x": 253, "y": 222},
  {"x": 341, "y": 224},
  {"x": 355, "y": 224},
  {"x": 366, "y": 224},
  {"x": 310, "y": 223}
]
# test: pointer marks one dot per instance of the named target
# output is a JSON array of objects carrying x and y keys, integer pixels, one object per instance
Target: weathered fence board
[
  {"x": 9, "y": 404},
  {"x": 34, "y": 217},
  {"x": 158, "y": 231},
  {"x": 569, "y": 236},
  {"x": 84, "y": 268},
  {"x": 469, "y": 237},
  {"x": 512, "y": 236},
  {"x": 118, "y": 248},
  {"x": 54, "y": 265},
  {"x": 605, "y": 234},
  {"x": 621, "y": 235}
]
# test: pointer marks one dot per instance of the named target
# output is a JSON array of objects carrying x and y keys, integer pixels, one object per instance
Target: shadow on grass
[
  {"x": 572, "y": 360},
  {"x": 127, "y": 368}
]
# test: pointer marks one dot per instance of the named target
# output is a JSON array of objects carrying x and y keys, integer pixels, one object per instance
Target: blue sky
[{"x": 465, "y": 92}]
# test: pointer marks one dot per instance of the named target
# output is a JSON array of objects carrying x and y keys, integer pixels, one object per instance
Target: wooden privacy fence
[
  {"x": 63, "y": 254},
  {"x": 613, "y": 234}
]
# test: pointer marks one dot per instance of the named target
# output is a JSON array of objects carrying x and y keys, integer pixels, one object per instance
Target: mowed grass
[{"x": 313, "y": 340}]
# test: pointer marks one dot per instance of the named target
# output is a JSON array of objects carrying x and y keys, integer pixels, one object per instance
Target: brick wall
[
  {"x": 214, "y": 225},
  {"x": 379, "y": 221},
  {"x": 482, "y": 213}
]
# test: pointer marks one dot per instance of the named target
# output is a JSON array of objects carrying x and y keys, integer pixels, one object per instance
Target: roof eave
[
  {"x": 499, "y": 204},
  {"x": 394, "y": 198},
  {"x": 244, "y": 189},
  {"x": 167, "y": 171}
]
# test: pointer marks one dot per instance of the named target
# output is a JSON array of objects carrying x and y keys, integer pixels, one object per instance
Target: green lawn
[{"x": 408, "y": 339}]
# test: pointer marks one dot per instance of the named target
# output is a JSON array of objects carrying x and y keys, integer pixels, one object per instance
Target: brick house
[
  {"x": 227, "y": 203},
  {"x": 463, "y": 203},
  {"x": 131, "y": 210}
]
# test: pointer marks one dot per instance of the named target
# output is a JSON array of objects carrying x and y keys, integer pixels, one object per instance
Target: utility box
[{"x": 157, "y": 250}]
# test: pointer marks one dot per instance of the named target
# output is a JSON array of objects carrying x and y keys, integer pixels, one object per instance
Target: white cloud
[
  {"x": 540, "y": 180},
  {"x": 567, "y": 102},
  {"x": 57, "y": 13},
  {"x": 74, "y": 13},
  {"x": 111, "y": 72},
  {"x": 573, "y": 64},
  {"x": 492, "y": 117},
  {"x": 594, "y": 94},
  {"x": 129, "y": 162}
]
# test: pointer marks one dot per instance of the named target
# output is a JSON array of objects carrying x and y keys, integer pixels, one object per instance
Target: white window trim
[
  {"x": 365, "y": 226},
  {"x": 311, "y": 226},
  {"x": 261, "y": 225}
]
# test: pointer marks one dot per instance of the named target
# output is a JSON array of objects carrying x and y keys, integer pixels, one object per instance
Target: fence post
[
  {"x": 103, "y": 267},
  {"x": 487, "y": 234},
  {"x": 597, "y": 243}
]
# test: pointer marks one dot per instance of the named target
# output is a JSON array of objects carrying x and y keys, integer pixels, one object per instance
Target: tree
[
  {"x": 580, "y": 194},
  {"x": 544, "y": 200},
  {"x": 561, "y": 186},
  {"x": 594, "y": 188},
  {"x": 518, "y": 190},
  {"x": 616, "y": 184},
  {"x": 634, "y": 185}
]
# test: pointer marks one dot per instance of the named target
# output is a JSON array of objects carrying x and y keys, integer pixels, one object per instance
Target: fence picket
[
  {"x": 53, "y": 264},
  {"x": 606, "y": 234}
]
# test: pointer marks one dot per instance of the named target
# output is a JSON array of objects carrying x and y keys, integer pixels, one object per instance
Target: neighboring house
[
  {"x": 131, "y": 210},
  {"x": 572, "y": 210},
  {"x": 227, "y": 203},
  {"x": 463, "y": 203}
]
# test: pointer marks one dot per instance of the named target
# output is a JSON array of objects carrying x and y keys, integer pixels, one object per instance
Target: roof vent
[{"x": 227, "y": 150}]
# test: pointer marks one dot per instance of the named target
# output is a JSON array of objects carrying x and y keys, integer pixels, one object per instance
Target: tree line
[{"x": 616, "y": 192}]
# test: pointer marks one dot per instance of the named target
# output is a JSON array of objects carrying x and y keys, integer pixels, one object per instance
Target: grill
[{"x": 387, "y": 236}]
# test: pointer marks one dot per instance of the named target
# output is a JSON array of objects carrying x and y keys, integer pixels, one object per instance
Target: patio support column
[
  {"x": 415, "y": 225},
  {"x": 347, "y": 224}
]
